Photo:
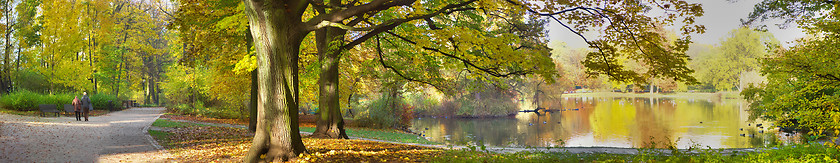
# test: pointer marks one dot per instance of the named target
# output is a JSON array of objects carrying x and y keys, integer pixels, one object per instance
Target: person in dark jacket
[
  {"x": 86, "y": 106},
  {"x": 77, "y": 107}
]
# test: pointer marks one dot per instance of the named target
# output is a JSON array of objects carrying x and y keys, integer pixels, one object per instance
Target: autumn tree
[
  {"x": 279, "y": 27},
  {"x": 8, "y": 29}
]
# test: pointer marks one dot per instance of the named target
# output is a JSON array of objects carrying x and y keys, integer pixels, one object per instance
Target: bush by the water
[
  {"x": 28, "y": 101},
  {"x": 384, "y": 112},
  {"x": 484, "y": 102}
]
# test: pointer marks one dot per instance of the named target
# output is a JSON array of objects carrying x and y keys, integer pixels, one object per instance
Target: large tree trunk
[
  {"x": 276, "y": 27},
  {"x": 330, "y": 124}
]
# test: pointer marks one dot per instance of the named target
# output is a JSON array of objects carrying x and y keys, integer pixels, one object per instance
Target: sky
[{"x": 720, "y": 17}]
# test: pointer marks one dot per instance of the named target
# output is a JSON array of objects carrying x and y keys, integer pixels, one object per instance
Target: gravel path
[{"x": 116, "y": 137}]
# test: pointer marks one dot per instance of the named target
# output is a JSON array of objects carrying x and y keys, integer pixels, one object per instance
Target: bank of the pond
[
  {"x": 792, "y": 153},
  {"x": 188, "y": 141},
  {"x": 681, "y": 95}
]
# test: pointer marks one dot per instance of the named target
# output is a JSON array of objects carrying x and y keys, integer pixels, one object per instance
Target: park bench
[
  {"x": 45, "y": 108},
  {"x": 69, "y": 109}
]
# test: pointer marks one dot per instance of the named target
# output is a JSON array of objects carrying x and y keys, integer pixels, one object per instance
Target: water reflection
[{"x": 609, "y": 122}]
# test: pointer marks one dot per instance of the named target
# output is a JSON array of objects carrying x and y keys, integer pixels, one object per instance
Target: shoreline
[{"x": 680, "y": 95}]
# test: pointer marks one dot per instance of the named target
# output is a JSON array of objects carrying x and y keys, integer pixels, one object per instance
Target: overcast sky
[{"x": 720, "y": 17}]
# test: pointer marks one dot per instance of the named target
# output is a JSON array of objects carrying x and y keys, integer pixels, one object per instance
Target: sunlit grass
[
  {"x": 172, "y": 124},
  {"x": 788, "y": 153},
  {"x": 160, "y": 135},
  {"x": 380, "y": 134}
]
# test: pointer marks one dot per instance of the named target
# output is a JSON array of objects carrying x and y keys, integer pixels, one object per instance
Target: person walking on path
[
  {"x": 86, "y": 106},
  {"x": 77, "y": 107}
]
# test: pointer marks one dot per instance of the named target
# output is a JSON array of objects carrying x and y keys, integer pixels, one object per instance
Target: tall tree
[
  {"x": 737, "y": 54},
  {"x": 279, "y": 27},
  {"x": 803, "y": 86},
  {"x": 8, "y": 28}
]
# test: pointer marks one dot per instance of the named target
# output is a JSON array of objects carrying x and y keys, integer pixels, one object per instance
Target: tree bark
[
  {"x": 278, "y": 33},
  {"x": 330, "y": 123}
]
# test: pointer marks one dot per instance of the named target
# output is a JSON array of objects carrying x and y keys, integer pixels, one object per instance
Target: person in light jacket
[{"x": 86, "y": 105}]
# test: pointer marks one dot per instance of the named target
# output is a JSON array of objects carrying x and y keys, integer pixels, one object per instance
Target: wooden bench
[
  {"x": 69, "y": 109},
  {"x": 45, "y": 108}
]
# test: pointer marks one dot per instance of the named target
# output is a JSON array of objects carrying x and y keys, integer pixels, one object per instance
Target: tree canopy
[{"x": 803, "y": 88}]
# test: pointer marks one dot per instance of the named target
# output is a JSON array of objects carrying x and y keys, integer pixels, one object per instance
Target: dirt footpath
[{"x": 116, "y": 137}]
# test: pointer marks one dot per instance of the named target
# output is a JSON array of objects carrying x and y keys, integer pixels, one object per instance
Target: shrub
[
  {"x": 422, "y": 104},
  {"x": 385, "y": 112},
  {"x": 100, "y": 101},
  {"x": 198, "y": 109},
  {"x": 21, "y": 101},
  {"x": 28, "y": 101}
]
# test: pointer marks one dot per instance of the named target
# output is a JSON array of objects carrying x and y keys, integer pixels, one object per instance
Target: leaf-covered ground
[
  {"x": 191, "y": 142},
  {"x": 195, "y": 143}
]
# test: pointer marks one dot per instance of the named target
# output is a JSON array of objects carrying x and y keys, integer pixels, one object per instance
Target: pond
[{"x": 611, "y": 122}]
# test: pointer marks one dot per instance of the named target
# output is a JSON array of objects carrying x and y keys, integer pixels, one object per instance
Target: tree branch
[
  {"x": 382, "y": 61},
  {"x": 391, "y": 24},
  {"x": 339, "y": 16},
  {"x": 465, "y": 61}
]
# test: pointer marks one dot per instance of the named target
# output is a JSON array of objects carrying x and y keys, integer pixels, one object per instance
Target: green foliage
[
  {"x": 384, "y": 112},
  {"x": 803, "y": 88},
  {"x": 34, "y": 80},
  {"x": 738, "y": 54},
  {"x": 29, "y": 101},
  {"x": 100, "y": 101},
  {"x": 199, "y": 109}
]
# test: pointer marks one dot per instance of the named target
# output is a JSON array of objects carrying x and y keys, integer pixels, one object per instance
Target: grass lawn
[
  {"x": 794, "y": 153},
  {"x": 174, "y": 124},
  {"x": 380, "y": 134}
]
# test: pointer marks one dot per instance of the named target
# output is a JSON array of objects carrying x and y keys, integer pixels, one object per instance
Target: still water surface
[{"x": 609, "y": 122}]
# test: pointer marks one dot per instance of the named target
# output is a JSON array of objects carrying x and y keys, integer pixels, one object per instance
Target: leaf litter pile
[{"x": 226, "y": 144}]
